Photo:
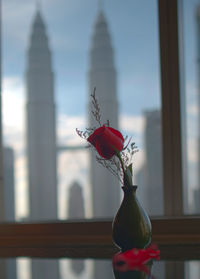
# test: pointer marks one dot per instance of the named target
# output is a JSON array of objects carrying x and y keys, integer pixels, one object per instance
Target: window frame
[
  {"x": 173, "y": 229},
  {"x": 171, "y": 107}
]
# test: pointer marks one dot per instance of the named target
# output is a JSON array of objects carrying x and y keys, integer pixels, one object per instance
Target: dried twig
[{"x": 96, "y": 109}]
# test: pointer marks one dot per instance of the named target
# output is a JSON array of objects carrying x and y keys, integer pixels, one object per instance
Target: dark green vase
[{"x": 131, "y": 226}]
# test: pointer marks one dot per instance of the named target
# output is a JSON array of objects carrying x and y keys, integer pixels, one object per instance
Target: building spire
[
  {"x": 100, "y": 5},
  {"x": 38, "y": 5}
]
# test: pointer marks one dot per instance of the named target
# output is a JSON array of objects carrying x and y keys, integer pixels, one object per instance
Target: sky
[{"x": 70, "y": 27}]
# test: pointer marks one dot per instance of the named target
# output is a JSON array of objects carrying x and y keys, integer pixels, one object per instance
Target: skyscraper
[
  {"x": 154, "y": 167},
  {"x": 41, "y": 138},
  {"x": 76, "y": 208},
  {"x": 102, "y": 75},
  {"x": 150, "y": 176},
  {"x": 40, "y": 125}
]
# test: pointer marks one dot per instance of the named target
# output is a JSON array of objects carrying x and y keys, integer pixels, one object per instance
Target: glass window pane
[
  {"x": 190, "y": 104},
  {"x": 54, "y": 54}
]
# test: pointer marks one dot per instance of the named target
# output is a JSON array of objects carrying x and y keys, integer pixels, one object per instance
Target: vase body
[{"x": 131, "y": 226}]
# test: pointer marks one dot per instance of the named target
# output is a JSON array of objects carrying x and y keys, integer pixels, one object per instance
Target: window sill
[{"x": 93, "y": 238}]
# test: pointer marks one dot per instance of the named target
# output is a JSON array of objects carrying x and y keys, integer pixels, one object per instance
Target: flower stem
[
  {"x": 126, "y": 179},
  {"x": 120, "y": 159}
]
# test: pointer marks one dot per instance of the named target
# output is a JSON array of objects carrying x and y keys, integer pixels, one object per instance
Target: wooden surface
[{"x": 177, "y": 238}]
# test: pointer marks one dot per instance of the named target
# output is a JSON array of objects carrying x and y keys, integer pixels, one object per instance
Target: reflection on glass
[
  {"x": 137, "y": 270},
  {"x": 135, "y": 263},
  {"x": 134, "y": 274},
  {"x": 192, "y": 269},
  {"x": 67, "y": 270},
  {"x": 8, "y": 268},
  {"x": 173, "y": 269},
  {"x": 159, "y": 269},
  {"x": 49, "y": 70},
  {"x": 23, "y": 268}
]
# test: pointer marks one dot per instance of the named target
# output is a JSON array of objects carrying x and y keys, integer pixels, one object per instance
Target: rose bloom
[{"x": 107, "y": 141}]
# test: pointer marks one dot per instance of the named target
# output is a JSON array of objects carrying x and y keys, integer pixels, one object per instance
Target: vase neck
[{"x": 129, "y": 189}]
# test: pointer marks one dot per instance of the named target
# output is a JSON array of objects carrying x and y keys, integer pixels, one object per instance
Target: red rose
[{"x": 107, "y": 141}]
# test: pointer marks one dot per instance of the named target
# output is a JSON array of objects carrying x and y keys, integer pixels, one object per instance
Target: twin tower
[{"x": 41, "y": 121}]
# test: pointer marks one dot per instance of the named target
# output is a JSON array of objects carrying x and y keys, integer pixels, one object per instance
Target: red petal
[
  {"x": 96, "y": 134},
  {"x": 106, "y": 140},
  {"x": 104, "y": 151},
  {"x": 114, "y": 138},
  {"x": 117, "y": 133}
]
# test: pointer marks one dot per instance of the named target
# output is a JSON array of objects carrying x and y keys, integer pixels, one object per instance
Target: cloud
[
  {"x": 192, "y": 147},
  {"x": 13, "y": 112},
  {"x": 132, "y": 124},
  {"x": 66, "y": 129},
  {"x": 192, "y": 110}
]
